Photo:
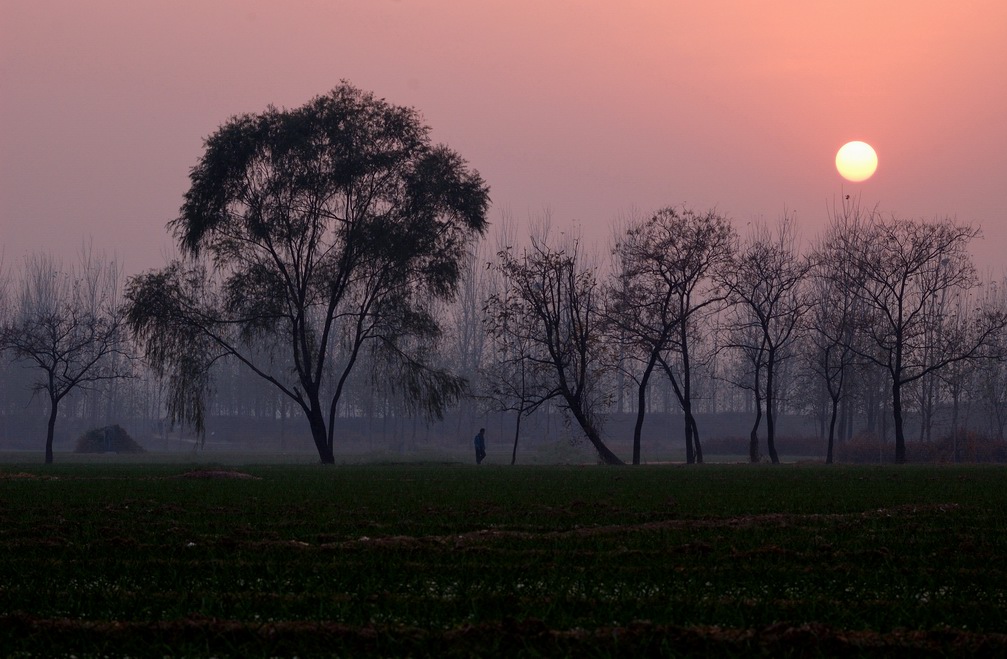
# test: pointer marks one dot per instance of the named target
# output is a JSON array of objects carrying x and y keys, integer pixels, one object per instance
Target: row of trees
[
  {"x": 692, "y": 330},
  {"x": 334, "y": 243},
  {"x": 900, "y": 297}
]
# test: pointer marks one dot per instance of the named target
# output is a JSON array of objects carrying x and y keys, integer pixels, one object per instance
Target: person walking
[{"x": 480, "y": 443}]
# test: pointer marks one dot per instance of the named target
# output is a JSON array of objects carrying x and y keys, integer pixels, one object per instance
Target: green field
[{"x": 442, "y": 560}]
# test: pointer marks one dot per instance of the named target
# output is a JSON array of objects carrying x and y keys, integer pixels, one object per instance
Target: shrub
[
  {"x": 970, "y": 446},
  {"x": 110, "y": 439},
  {"x": 864, "y": 448}
]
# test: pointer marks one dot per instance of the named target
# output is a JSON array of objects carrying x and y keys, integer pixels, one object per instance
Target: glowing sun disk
[{"x": 856, "y": 161}]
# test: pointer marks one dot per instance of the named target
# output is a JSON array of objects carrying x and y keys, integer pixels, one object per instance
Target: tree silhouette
[
  {"x": 664, "y": 289},
  {"x": 766, "y": 282},
  {"x": 313, "y": 231},
  {"x": 553, "y": 314},
  {"x": 69, "y": 324},
  {"x": 903, "y": 266},
  {"x": 834, "y": 314}
]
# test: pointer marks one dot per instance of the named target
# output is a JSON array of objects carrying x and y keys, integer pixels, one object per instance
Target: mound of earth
[{"x": 110, "y": 439}]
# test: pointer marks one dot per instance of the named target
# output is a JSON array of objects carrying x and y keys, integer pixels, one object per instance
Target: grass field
[{"x": 442, "y": 560}]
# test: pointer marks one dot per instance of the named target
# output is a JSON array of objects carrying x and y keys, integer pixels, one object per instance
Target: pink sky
[{"x": 589, "y": 108}]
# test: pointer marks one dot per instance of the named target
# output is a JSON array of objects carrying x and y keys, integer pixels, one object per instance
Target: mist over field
[{"x": 256, "y": 437}]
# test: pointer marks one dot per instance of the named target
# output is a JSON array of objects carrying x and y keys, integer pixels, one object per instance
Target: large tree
[
  {"x": 309, "y": 234},
  {"x": 68, "y": 324}
]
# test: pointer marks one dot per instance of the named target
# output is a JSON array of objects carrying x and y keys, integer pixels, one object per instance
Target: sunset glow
[{"x": 588, "y": 113}]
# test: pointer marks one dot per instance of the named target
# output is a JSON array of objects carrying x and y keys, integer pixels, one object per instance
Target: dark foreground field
[{"x": 463, "y": 561}]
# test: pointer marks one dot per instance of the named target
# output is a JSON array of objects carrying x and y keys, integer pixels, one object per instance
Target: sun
[{"x": 856, "y": 161}]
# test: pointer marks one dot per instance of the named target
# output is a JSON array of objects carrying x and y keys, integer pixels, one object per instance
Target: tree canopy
[{"x": 308, "y": 234}]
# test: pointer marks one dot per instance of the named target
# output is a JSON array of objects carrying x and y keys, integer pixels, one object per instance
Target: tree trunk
[
  {"x": 695, "y": 435},
  {"x": 517, "y": 433},
  {"x": 690, "y": 449},
  {"x": 770, "y": 432},
  {"x": 641, "y": 407},
  {"x": 900, "y": 437},
  {"x": 693, "y": 451},
  {"x": 832, "y": 430},
  {"x": 770, "y": 420},
  {"x": 604, "y": 452},
  {"x": 318, "y": 433},
  {"x": 641, "y": 410},
  {"x": 753, "y": 438},
  {"x": 954, "y": 424},
  {"x": 51, "y": 429}
]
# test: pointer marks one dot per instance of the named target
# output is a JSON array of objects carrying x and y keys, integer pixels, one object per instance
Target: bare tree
[
  {"x": 766, "y": 282},
  {"x": 833, "y": 315},
  {"x": 68, "y": 324},
  {"x": 990, "y": 375},
  {"x": 664, "y": 289},
  {"x": 514, "y": 377},
  {"x": 903, "y": 266},
  {"x": 552, "y": 303},
  {"x": 748, "y": 372},
  {"x": 830, "y": 356},
  {"x": 958, "y": 378}
]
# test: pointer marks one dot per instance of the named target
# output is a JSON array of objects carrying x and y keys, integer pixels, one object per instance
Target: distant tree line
[
  {"x": 880, "y": 313},
  {"x": 333, "y": 265}
]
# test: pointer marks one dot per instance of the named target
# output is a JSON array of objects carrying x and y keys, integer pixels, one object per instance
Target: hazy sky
[{"x": 588, "y": 108}]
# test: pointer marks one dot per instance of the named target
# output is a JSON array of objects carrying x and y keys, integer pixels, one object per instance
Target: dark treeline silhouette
[
  {"x": 336, "y": 293},
  {"x": 834, "y": 382}
]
